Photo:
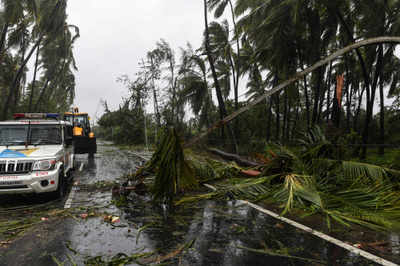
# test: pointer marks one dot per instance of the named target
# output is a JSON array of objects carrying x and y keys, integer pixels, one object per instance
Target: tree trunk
[
  {"x": 238, "y": 55},
  {"x": 315, "y": 55},
  {"x": 349, "y": 95},
  {"x": 336, "y": 110},
  {"x": 328, "y": 96},
  {"x": 269, "y": 119},
  {"x": 307, "y": 101},
  {"x": 42, "y": 92},
  {"x": 317, "y": 96},
  {"x": 18, "y": 89},
  {"x": 16, "y": 79},
  {"x": 234, "y": 157},
  {"x": 3, "y": 40},
  {"x": 32, "y": 92},
  {"x": 278, "y": 118},
  {"x": 288, "y": 119},
  {"x": 370, "y": 102},
  {"x": 357, "y": 114},
  {"x": 348, "y": 109},
  {"x": 235, "y": 90},
  {"x": 326, "y": 91},
  {"x": 285, "y": 116},
  {"x": 155, "y": 99},
  {"x": 382, "y": 117},
  {"x": 296, "y": 120},
  {"x": 221, "y": 104}
]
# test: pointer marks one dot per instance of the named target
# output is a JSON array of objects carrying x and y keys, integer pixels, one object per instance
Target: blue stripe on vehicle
[{"x": 11, "y": 154}]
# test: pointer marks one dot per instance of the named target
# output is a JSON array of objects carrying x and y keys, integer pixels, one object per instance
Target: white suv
[{"x": 36, "y": 154}]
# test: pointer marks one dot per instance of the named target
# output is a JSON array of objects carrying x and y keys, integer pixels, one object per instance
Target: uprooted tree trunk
[
  {"x": 286, "y": 83},
  {"x": 234, "y": 157}
]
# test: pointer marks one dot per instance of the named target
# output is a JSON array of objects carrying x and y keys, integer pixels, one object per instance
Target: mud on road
[{"x": 94, "y": 226}]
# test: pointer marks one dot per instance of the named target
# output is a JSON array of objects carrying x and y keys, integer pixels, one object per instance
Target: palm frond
[
  {"x": 251, "y": 189},
  {"x": 358, "y": 169},
  {"x": 174, "y": 174},
  {"x": 298, "y": 189}
]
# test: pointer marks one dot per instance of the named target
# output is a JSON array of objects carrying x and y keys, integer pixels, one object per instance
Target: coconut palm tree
[
  {"x": 52, "y": 21},
  {"x": 13, "y": 14},
  {"x": 219, "y": 6},
  {"x": 17, "y": 17},
  {"x": 195, "y": 88},
  {"x": 58, "y": 63},
  {"x": 218, "y": 90}
]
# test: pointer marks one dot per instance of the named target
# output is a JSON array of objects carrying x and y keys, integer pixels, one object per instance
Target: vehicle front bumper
[{"x": 29, "y": 183}]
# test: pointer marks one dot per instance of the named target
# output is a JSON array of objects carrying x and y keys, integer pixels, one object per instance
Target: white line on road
[
  {"x": 335, "y": 241},
  {"x": 81, "y": 167},
  {"x": 71, "y": 195}
]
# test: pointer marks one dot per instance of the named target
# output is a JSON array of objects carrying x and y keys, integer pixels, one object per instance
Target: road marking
[
  {"x": 210, "y": 187},
  {"x": 81, "y": 167},
  {"x": 330, "y": 239},
  {"x": 71, "y": 195}
]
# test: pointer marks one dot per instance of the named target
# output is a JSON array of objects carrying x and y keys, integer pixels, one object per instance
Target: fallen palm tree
[
  {"x": 288, "y": 179},
  {"x": 174, "y": 174},
  {"x": 346, "y": 192}
]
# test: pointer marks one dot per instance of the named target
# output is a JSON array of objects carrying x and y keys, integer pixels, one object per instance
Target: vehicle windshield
[
  {"x": 13, "y": 135},
  {"x": 78, "y": 120}
]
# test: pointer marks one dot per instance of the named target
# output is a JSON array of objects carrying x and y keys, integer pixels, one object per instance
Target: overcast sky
[{"x": 116, "y": 35}]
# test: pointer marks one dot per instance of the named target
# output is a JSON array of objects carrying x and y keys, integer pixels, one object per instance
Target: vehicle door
[{"x": 68, "y": 147}]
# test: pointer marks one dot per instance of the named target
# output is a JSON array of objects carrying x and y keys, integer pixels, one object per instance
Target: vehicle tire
[{"x": 60, "y": 192}]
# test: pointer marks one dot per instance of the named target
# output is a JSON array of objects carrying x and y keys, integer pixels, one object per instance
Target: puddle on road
[
  {"x": 224, "y": 232},
  {"x": 221, "y": 233}
]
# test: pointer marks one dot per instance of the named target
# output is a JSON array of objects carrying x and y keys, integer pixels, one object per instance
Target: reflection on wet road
[{"x": 220, "y": 233}]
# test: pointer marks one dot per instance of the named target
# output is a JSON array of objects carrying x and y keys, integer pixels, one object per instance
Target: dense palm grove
[
  {"x": 307, "y": 126},
  {"x": 263, "y": 44},
  {"x": 35, "y": 33}
]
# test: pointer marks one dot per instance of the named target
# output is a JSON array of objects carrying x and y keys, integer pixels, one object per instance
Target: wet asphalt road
[
  {"x": 220, "y": 232},
  {"x": 52, "y": 240}
]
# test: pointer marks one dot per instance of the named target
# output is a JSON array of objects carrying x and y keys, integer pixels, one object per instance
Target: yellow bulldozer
[{"x": 84, "y": 139}]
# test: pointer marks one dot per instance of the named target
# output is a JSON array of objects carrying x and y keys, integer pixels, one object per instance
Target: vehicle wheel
[{"x": 60, "y": 192}]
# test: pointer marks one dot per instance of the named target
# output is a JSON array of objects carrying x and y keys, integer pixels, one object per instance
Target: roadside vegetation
[
  {"x": 354, "y": 97},
  {"x": 326, "y": 142},
  {"x": 318, "y": 179}
]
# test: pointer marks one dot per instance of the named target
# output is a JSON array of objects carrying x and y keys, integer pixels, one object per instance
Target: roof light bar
[
  {"x": 36, "y": 115},
  {"x": 53, "y": 115}
]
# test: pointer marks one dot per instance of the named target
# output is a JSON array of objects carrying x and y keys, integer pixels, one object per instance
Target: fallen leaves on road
[
  {"x": 111, "y": 219},
  {"x": 171, "y": 255},
  {"x": 4, "y": 244},
  {"x": 115, "y": 220},
  {"x": 251, "y": 173}
]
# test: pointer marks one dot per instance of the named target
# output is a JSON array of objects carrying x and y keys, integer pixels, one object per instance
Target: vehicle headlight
[{"x": 44, "y": 165}]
